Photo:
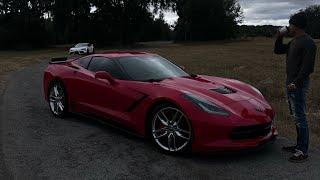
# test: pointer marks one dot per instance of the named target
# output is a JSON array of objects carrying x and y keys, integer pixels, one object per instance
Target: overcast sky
[{"x": 261, "y": 12}]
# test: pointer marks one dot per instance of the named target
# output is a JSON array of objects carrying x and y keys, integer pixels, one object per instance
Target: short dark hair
[{"x": 299, "y": 20}]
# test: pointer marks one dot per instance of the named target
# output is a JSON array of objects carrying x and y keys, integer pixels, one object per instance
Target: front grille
[{"x": 251, "y": 132}]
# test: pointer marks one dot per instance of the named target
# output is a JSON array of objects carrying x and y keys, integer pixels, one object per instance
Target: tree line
[
  {"x": 257, "y": 31},
  {"x": 313, "y": 28},
  {"x": 39, "y": 23}
]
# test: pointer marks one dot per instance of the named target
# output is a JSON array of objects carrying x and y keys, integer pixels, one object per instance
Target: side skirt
[{"x": 111, "y": 123}]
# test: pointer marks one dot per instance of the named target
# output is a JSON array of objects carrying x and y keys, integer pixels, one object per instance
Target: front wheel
[
  {"x": 171, "y": 130},
  {"x": 58, "y": 99}
]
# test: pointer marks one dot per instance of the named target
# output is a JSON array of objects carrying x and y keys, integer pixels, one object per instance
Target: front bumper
[
  {"x": 84, "y": 51},
  {"x": 243, "y": 128},
  {"x": 213, "y": 133},
  {"x": 224, "y": 145}
]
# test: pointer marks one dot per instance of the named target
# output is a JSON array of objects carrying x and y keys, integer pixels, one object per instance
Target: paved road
[{"x": 35, "y": 145}]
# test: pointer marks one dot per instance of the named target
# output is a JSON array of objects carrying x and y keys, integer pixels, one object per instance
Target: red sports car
[{"x": 155, "y": 98}]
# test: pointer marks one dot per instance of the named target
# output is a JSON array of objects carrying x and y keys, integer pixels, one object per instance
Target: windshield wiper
[
  {"x": 190, "y": 75},
  {"x": 154, "y": 80},
  {"x": 157, "y": 80}
]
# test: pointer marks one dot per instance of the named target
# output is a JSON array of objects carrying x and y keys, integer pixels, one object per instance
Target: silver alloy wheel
[
  {"x": 171, "y": 129},
  {"x": 57, "y": 99}
]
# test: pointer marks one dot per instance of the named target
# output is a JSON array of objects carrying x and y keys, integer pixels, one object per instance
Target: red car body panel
[{"x": 130, "y": 102}]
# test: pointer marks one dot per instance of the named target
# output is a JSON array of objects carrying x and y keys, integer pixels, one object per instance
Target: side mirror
[{"x": 105, "y": 75}]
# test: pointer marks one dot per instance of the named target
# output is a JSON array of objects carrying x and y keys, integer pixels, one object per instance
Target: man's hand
[
  {"x": 280, "y": 35},
  {"x": 292, "y": 87}
]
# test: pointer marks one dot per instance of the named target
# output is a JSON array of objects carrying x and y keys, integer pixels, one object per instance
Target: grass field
[{"x": 251, "y": 61}]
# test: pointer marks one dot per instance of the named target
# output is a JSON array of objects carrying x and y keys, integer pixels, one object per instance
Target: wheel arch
[
  {"x": 54, "y": 80},
  {"x": 154, "y": 105},
  {"x": 171, "y": 102},
  {"x": 58, "y": 79}
]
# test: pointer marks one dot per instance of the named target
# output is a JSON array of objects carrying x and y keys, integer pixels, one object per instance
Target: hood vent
[{"x": 224, "y": 90}]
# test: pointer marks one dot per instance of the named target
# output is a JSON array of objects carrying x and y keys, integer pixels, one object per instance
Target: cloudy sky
[{"x": 260, "y": 12}]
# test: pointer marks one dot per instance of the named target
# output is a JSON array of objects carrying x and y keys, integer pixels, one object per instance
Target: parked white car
[{"x": 82, "y": 48}]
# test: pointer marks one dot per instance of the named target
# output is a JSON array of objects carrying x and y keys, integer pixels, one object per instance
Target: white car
[{"x": 82, "y": 48}]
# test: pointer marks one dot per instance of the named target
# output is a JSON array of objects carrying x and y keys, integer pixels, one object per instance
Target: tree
[
  {"x": 207, "y": 19},
  {"x": 22, "y": 23},
  {"x": 71, "y": 20},
  {"x": 37, "y": 23},
  {"x": 313, "y": 16},
  {"x": 155, "y": 29},
  {"x": 125, "y": 21},
  {"x": 257, "y": 31}
]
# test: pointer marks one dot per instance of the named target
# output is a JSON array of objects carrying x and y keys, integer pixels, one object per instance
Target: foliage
[
  {"x": 257, "y": 31},
  {"x": 207, "y": 19},
  {"x": 22, "y": 23},
  {"x": 36, "y": 23},
  {"x": 313, "y": 15}
]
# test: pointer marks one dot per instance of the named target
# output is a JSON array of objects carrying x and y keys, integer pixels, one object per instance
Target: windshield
[
  {"x": 81, "y": 45},
  {"x": 148, "y": 68}
]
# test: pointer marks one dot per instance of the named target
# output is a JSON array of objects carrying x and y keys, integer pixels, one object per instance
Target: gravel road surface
[{"x": 35, "y": 145}]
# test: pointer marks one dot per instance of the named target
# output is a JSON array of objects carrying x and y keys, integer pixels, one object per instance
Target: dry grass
[
  {"x": 15, "y": 60},
  {"x": 249, "y": 61}
]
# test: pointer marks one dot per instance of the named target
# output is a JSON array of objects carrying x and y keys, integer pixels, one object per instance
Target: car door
[
  {"x": 100, "y": 97},
  {"x": 80, "y": 86}
]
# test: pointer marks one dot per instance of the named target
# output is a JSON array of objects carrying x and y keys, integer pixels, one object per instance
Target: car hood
[
  {"x": 230, "y": 94},
  {"x": 240, "y": 98},
  {"x": 212, "y": 89}
]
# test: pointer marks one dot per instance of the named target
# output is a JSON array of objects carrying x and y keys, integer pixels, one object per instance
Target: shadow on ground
[{"x": 38, "y": 146}]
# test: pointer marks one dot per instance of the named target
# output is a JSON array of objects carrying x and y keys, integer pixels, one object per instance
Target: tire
[
  {"x": 88, "y": 52},
  {"x": 169, "y": 123},
  {"x": 58, "y": 99}
]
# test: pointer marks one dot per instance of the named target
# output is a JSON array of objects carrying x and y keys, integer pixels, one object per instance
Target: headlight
[
  {"x": 205, "y": 105},
  {"x": 257, "y": 90}
]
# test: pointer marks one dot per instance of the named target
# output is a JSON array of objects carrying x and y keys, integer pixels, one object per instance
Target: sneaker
[
  {"x": 298, "y": 157},
  {"x": 291, "y": 149}
]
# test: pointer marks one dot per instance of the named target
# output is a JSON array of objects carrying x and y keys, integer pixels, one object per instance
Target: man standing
[{"x": 301, "y": 53}]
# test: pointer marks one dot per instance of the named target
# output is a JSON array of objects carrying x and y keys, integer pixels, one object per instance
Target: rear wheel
[
  {"x": 171, "y": 131},
  {"x": 58, "y": 99}
]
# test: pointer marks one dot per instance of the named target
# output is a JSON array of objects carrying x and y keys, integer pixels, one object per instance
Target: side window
[
  {"x": 84, "y": 62},
  {"x": 104, "y": 64}
]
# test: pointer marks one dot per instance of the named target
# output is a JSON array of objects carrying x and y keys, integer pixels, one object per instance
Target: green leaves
[
  {"x": 313, "y": 16},
  {"x": 207, "y": 19}
]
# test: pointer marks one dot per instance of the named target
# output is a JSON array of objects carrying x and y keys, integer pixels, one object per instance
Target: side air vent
[{"x": 224, "y": 90}]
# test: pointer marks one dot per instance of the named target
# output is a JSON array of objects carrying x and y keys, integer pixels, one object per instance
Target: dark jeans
[{"x": 297, "y": 106}]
